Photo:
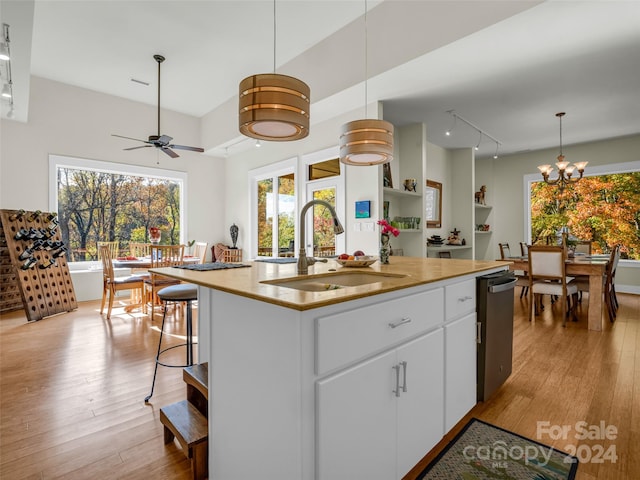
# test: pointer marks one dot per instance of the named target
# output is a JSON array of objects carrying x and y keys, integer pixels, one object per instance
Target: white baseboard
[{"x": 633, "y": 289}]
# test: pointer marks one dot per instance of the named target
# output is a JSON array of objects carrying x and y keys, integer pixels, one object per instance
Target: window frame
[
  {"x": 594, "y": 171},
  {"x": 273, "y": 170},
  {"x": 62, "y": 161}
]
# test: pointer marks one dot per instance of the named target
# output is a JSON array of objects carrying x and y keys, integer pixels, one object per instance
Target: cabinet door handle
[
  {"x": 465, "y": 298},
  {"x": 404, "y": 376},
  {"x": 397, "y": 390},
  {"x": 400, "y": 322}
]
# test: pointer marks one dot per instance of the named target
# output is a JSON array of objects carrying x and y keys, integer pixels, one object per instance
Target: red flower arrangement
[{"x": 386, "y": 228}]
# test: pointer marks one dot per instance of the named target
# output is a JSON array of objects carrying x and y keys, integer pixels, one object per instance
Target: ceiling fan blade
[
  {"x": 130, "y": 138},
  {"x": 170, "y": 152},
  {"x": 184, "y": 147},
  {"x": 135, "y": 148}
]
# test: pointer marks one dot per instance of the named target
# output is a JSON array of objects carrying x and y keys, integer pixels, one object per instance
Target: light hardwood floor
[{"x": 72, "y": 389}]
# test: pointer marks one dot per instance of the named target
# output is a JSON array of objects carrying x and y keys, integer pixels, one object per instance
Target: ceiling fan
[{"x": 163, "y": 142}]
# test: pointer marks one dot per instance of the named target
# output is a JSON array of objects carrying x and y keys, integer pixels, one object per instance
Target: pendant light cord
[
  {"x": 366, "y": 60},
  {"x": 560, "y": 116},
  {"x": 274, "y": 36}
]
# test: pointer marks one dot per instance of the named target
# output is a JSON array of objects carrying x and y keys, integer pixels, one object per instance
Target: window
[
  {"x": 273, "y": 193},
  {"x": 602, "y": 208},
  {"x": 101, "y": 201}
]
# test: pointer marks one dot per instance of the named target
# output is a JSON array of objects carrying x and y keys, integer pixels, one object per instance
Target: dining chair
[
  {"x": 609, "y": 291},
  {"x": 200, "y": 250},
  {"x": 161, "y": 256},
  {"x": 112, "y": 284},
  {"x": 547, "y": 276},
  {"x": 113, "y": 248},
  {"x": 139, "y": 250},
  {"x": 522, "y": 279},
  {"x": 583, "y": 247},
  {"x": 524, "y": 249}
]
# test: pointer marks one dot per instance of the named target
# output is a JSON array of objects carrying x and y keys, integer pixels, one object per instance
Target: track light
[
  {"x": 478, "y": 129},
  {"x": 258, "y": 144},
  {"x": 6, "y": 91}
]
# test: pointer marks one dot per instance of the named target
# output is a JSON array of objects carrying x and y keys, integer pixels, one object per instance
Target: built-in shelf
[
  {"x": 482, "y": 232},
  {"x": 410, "y": 230},
  {"x": 446, "y": 248},
  {"x": 394, "y": 192}
]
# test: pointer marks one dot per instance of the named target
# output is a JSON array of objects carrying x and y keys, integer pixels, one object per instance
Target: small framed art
[{"x": 363, "y": 209}]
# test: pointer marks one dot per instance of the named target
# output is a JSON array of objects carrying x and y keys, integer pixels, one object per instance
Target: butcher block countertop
[{"x": 404, "y": 272}]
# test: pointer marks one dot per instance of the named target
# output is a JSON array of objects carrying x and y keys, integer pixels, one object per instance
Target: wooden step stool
[
  {"x": 183, "y": 421},
  {"x": 197, "y": 379}
]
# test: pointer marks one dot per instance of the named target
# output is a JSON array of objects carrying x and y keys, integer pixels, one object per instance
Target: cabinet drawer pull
[
  {"x": 404, "y": 376},
  {"x": 400, "y": 322},
  {"x": 397, "y": 390},
  {"x": 465, "y": 298}
]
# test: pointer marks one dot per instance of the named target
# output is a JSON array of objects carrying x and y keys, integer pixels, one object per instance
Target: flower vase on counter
[
  {"x": 155, "y": 235},
  {"x": 385, "y": 248}
]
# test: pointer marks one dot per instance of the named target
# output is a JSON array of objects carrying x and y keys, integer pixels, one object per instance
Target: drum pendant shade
[
  {"x": 366, "y": 142},
  {"x": 274, "y": 107}
]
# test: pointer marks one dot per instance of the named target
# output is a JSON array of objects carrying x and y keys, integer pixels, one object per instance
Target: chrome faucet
[{"x": 303, "y": 260}]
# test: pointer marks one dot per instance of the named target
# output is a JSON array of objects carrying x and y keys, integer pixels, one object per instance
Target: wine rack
[{"x": 33, "y": 260}]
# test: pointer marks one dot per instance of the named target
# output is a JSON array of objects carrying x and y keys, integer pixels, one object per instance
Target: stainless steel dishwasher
[{"x": 495, "y": 331}]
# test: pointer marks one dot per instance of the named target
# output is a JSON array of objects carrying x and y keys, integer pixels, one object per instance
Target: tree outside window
[
  {"x": 603, "y": 209},
  {"x": 98, "y": 206}
]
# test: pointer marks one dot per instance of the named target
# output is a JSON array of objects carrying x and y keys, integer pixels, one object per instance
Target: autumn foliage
[{"x": 604, "y": 210}]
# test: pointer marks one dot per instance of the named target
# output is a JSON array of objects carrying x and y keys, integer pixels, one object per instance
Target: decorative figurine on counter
[
  {"x": 410, "y": 184},
  {"x": 233, "y": 230},
  {"x": 454, "y": 238},
  {"x": 480, "y": 195}
]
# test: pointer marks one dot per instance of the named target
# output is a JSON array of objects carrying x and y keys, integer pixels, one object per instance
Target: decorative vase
[
  {"x": 155, "y": 235},
  {"x": 233, "y": 230},
  {"x": 385, "y": 249}
]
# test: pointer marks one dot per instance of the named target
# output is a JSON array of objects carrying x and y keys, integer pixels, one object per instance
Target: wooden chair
[
  {"x": 547, "y": 276},
  {"x": 522, "y": 279},
  {"x": 609, "y": 291},
  {"x": 113, "y": 249},
  {"x": 583, "y": 247},
  {"x": 200, "y": 250},
  {"x": 137, "y": 249},
  {"x": 161, "y": 256},
  {"x": 112, "y": 284},
  {"x": 524, "y": 249}
]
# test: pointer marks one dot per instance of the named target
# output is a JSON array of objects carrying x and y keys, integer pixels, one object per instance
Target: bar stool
[{"x": 185, "y": 292}]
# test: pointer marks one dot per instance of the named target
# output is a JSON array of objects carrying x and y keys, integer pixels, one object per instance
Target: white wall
[
  {"x": 504, "y": 180},
  {"x": 362, "y": 183},
  {"x": 76, "y": 122}
]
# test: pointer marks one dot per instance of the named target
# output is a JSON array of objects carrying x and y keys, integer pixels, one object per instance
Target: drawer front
[
  {"x": 352, "y": 335},
  {"x": 460, "y": 298}
]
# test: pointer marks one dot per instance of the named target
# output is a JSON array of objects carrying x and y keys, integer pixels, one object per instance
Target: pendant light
[
  {"x": 272, "y": 106},
  {"x": 564, "y": 169},
  {"x": 369, "y": 141}
]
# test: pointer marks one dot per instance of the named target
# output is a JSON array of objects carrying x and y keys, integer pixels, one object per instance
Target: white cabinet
[
  {"x": 460, "y": 369},
  {"x": 377, "y": 419},
  {"x": 459, "y": 351}
]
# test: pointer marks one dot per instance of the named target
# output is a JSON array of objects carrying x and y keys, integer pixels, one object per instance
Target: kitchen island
[{"x": 358, "y": 380}]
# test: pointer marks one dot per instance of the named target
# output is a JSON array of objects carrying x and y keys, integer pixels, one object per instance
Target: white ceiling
[{"x": 508, "y": 67}]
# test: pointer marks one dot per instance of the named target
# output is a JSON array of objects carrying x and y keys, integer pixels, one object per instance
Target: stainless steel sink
[{"x": 332, "y": 281}]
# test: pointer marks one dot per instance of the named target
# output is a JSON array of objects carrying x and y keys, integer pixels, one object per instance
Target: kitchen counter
[{"x": 246, "y": 282}]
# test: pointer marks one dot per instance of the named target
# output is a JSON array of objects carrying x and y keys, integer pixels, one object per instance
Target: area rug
[{"x": 482, "y": 451}]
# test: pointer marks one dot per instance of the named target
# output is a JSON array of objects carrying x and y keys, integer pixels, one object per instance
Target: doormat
[{"x": 482, "y": 451}]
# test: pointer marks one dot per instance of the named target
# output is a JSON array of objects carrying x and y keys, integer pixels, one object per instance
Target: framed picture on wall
[
  {"x": 433, "y": 204},
  {"x": 363, "y": 209}
]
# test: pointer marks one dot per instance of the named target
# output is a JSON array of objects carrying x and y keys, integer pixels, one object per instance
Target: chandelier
[{"x": 564, "y": 169}]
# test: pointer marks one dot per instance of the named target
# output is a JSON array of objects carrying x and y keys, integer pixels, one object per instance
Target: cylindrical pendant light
[
  {"x": 274, "y": 107},
  {"x": 366, "y": 142}
]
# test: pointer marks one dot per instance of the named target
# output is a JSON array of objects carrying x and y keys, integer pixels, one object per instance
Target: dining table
[{"x": 594, "y": 266}]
